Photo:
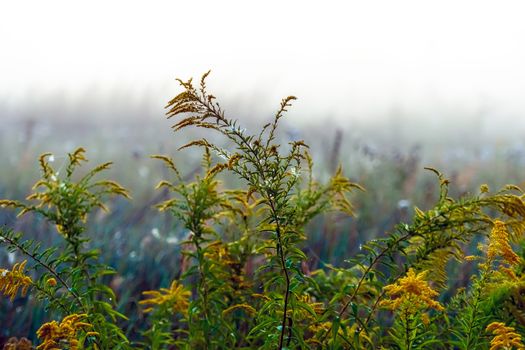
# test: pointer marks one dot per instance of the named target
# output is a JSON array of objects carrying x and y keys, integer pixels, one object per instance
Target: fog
[{"x": 449, "y": 64}]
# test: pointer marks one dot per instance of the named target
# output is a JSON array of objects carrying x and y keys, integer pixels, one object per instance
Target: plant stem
[
  {"x": 368, "y": 269},
  {"x": 282, "y": 258},
  {"x": 51, "y": 296},
  {"x": 48, "y": 268},
  {"x": 203, "y": 287},
  {"x": 470, "y": 339},
  {"x": 408, "y": 340},
  {"x": 280, "y": 251}
]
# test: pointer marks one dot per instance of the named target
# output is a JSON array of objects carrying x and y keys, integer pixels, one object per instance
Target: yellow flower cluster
[
  {"x": 218, "y": 252},
  {"x": 505, "y": 337},
  {"x": 55, "y": 335},
  {"x": 12, "y": 281},
  {"x": 499, "y": 245},
  {"x": 177, "y": 297},
  {"x": 318, "y": 308},
  {"x": 322, "y": 326},
  {"x": 319, "y": 328},
  {"x": 411, "y": 293},
  {"x": 248, "y": 308}
]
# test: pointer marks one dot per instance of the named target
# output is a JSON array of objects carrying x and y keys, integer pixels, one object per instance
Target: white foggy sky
[{"x": 341, "y": 58}]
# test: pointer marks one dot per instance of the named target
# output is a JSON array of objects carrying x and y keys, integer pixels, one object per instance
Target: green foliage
[
  {"x": 71, "y": 278},
  {"x": 243, "y": 279}
]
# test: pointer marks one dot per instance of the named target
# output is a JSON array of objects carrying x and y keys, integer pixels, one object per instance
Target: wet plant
[
  {"x": 70, "y": 277},
  {"x": 243, "y": 280}
]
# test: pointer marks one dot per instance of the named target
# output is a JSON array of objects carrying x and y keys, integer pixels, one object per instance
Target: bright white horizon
[{"x": 357, "y": 59}]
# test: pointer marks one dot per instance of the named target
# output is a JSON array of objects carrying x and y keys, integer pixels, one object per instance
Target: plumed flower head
[
  {"x": 12, "y": 281},
  {"x": 499, "y": 245},
  {"x": 411, "y": 292},
  {"x": 176, "y": 297},
  {"x": 504, "y": 337}
]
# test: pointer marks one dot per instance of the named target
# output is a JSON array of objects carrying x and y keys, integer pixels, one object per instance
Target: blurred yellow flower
[
  {"x": 177, "y": 297},
  {"x": 18, "y": 344},
  {"x": 470, "y": 258},
  {"x": 322, "y": 326},
  {"x": 505, "y": 337},
  {"x": 248, "y": 308},
  {"x": 12, "y": 281},
  {"x": 411, "y": 293},
  {"x": 425, "y": 318},
  {"x": 55, "y": 335}
]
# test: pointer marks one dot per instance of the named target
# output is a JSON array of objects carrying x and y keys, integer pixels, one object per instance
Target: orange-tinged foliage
[{"x": 12, "y": 281}]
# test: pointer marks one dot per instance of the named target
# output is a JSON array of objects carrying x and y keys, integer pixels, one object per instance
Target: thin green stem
[
  {"x": 281, "y": 253},
  {"x": 48, "y": 268},
  {"x": 408, "y": 330},
  {"x": 203, "y": 287}
]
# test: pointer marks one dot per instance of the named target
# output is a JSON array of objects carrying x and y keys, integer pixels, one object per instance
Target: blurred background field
[{"x": 144, "y": 246}]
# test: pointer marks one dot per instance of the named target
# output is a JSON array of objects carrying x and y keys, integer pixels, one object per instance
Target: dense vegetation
[{"x": 242, "y": 276}]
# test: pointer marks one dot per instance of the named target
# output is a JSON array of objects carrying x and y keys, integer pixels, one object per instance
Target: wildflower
[
  {"x": 12, "y": 281},
  {"x": 176, "y": 297},
  {"x": 504, "y": 337},
  {"x": 425, "y": 318},
  {"x": 54, "y": 335},
  {"x": 60, "y": 229},
  {"x": 315, "y": 306},
  {"x": 249, "y": 309},
  {"x": 509, "y": 273},
  {"x": 322, "y": 326},
  {"x": 51, "y": 282},
  {"x": 18, "y": 344},
  {"x": 261, "y": 296},
  {"x": 219, "y": 253},
  {"x": 326, "y": 326},
  {"x": 499, "y": 245},
  {"x": 411, "y": 293}
]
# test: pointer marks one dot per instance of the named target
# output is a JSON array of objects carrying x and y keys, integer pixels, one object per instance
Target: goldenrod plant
[
  {"x": 66, "y": 333},
  {"x": 504, "y": 337},
  {"x": 409, "y": 298},
  {"x": 243, "y": 280},
  {"x": 69, "y": 278}
]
